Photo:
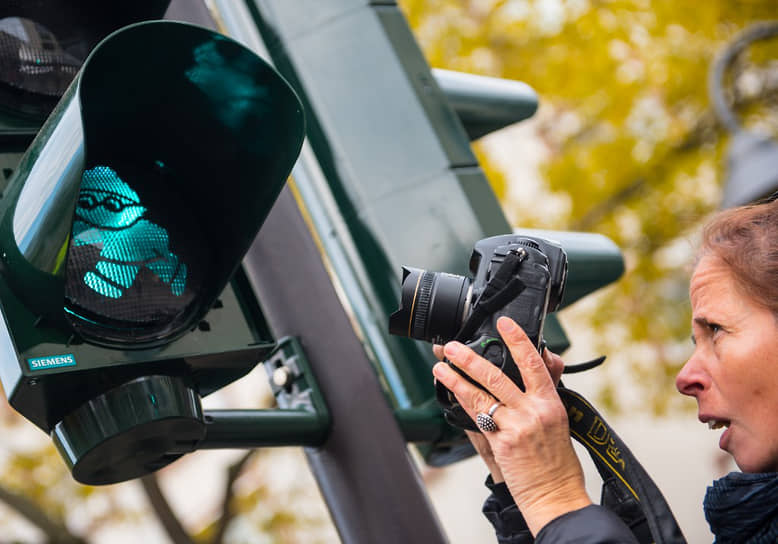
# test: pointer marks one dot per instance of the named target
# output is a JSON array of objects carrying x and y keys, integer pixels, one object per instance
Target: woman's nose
[{"x": 690, "y": 380}]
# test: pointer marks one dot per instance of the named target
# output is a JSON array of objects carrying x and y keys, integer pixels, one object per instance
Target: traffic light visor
[{"x": 157, "y": 169}]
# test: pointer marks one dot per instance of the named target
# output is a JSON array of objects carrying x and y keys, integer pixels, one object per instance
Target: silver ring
[{"x": 485, "y": 421}]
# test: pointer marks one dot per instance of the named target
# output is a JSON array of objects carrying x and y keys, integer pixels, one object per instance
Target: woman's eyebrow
[{"x": 702, "y": 321}]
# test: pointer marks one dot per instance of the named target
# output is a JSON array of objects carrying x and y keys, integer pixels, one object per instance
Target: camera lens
[{"x": 433, "y": 305}]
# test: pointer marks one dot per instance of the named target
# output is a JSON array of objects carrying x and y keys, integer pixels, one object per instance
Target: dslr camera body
[{"x": 522, "y": 277}]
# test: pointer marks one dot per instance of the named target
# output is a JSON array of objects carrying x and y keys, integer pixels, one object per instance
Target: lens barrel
[{"x": 433, "y": 305}]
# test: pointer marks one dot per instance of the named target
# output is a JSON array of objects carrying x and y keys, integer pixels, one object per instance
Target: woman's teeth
[{"x": 715, "y": 424}]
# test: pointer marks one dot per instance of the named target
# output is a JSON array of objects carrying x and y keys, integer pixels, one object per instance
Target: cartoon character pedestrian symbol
[{"x": 109, "y": 215}]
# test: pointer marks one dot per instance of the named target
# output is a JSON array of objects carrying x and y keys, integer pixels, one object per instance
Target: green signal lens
[
  {"x": 106, "y": 202},
  {"x": 122, "y": 273}
]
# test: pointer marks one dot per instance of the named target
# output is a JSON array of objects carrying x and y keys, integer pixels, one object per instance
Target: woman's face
[{"x": 733, "y": 372}]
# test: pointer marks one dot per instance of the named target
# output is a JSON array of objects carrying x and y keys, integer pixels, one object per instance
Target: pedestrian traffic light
[{"x": 120, "y": 231}]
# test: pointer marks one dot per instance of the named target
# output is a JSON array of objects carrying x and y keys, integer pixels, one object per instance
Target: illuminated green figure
[{"x": 109, "y": 215}]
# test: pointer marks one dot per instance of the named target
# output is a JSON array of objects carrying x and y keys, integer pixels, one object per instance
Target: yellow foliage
[{"x": 631, "y": 138}]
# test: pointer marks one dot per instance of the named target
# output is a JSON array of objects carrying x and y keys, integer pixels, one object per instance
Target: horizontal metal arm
[
  {"x": 423, "y": 423},
  {"x": 263, "y": 428}
]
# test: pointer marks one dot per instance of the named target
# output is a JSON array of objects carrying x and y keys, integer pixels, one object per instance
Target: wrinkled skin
[
  {"x": 532, "y": 448},
  {"x": 480, "y": 443},
  {"x": 733, "y": 371}
]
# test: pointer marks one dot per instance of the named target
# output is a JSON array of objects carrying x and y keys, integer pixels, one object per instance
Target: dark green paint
[
  {"x": 486, "y": 104},
  {"x": 202, "y": 134}
]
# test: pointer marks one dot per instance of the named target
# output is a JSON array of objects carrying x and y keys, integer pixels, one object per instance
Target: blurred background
[{"x": 627, "y": 143}]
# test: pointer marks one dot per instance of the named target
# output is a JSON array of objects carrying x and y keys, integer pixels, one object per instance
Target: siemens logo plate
[{"x": 54, "y": 361}]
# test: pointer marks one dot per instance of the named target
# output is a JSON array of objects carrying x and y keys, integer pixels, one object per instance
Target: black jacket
[{"x": 591, "y": 525}]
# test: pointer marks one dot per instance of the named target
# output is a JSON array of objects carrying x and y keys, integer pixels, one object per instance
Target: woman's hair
[{"x": 746, "y": 240}]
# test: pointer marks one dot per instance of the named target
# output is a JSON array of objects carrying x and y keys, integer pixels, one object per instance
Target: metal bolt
[{"x": 282, "y": 376}]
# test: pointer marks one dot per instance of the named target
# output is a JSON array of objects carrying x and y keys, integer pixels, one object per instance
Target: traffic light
[{"x": 120, "y": 232}]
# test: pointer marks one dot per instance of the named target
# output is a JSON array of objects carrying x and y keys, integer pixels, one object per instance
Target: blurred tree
[{"x": 629, "y": 147}]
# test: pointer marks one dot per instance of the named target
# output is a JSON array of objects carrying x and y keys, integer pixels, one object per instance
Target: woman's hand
[
  {"x": 532, "y": 446},
  {"x": 555, "y": 367}
]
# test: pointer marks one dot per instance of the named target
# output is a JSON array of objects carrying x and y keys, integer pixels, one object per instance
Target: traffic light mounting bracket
[{"x": 301, "y": 419}]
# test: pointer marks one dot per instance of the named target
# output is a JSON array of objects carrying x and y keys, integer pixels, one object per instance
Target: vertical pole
[{"x": 364, "y": 469}]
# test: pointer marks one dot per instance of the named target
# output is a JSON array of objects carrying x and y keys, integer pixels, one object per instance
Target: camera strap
[
  {"x": 627, "y": 488},
  {"x": 502, "y": 287}
]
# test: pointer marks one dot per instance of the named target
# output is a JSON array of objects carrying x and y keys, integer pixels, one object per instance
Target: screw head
[{"x": 282, "y": 376}]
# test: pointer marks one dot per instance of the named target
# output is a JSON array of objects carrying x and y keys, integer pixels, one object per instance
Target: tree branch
[
  {"x": 228, "y": 513},
  {"x": 164, "y": 512},
  {"x": 56, "y": 532},
  {"x": 704, "y": 130}
]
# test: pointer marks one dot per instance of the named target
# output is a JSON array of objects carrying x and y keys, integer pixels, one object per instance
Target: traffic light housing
[{"x": 120, "y": 231}]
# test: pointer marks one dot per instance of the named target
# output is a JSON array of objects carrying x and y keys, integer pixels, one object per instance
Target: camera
[{"x": 522, "y": 277}]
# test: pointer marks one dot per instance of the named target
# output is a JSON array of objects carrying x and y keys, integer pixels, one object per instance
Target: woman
[{"x": 536, "y": 478}]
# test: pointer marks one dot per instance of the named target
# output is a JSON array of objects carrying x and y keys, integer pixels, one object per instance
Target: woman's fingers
[
  {"x": 482, "y": 371},
  {"x": 473, "y": 399},
  {"x": 540, "y": 374},
  {"x": 555, "y": 365},
  {"x": 437, "y": 351},
  {"x": 481, "y": 445},
  {"x": 534, "y": 372}
]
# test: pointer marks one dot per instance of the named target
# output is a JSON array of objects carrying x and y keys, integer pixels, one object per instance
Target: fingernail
[
  {"x": 506, "y": 324},
  {"x": 451, "y": 349}
]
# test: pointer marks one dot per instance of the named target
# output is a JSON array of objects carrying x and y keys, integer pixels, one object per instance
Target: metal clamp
[{"x": 301, "y": 419}]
